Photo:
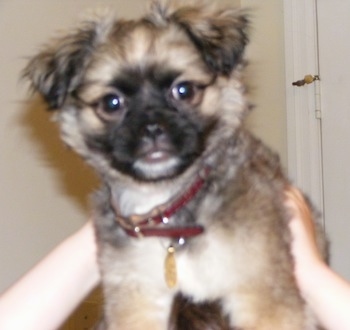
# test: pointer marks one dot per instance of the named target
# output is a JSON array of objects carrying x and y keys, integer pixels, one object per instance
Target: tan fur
[{"x": 237, "y": 275}]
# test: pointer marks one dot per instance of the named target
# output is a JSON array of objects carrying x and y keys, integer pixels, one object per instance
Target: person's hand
[
  {"x": 304, "y": 247},
  {"x": 327, "y": 293},
  {"x": 52, "y": 290}
]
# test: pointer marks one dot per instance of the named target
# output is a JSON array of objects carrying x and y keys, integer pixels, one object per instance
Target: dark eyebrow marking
[
  {"x": 130, "y": 81},
  {"x": 164, "y": 78}
]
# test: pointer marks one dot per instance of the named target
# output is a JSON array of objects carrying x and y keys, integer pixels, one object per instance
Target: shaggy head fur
[{"x": 154, "y": 78}]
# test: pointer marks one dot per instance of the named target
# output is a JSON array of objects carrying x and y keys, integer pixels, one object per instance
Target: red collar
[{"x": 158, "y": 222}]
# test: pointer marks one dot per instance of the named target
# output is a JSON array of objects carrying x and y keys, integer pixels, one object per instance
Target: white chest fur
[
  {"x": 203, "y": 271},
  {"x": 140, "y": 199}
]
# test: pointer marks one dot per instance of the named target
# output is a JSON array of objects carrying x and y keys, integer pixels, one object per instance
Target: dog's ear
[
  {"x": 58, "y": 69},
  {"x": 219, "y": 34}
]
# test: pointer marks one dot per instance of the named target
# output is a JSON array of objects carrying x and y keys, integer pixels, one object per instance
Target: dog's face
[{"x": 146, "y": 98}]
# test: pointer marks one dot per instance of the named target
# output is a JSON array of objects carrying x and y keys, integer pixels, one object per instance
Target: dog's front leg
[{"x": 131, "y": 307}]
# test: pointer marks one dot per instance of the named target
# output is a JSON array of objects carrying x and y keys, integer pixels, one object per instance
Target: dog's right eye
[
  {"x": 184, "y": 91},
  {"x": 109, "y": 105},
  {"x": 187, "y": 92}
]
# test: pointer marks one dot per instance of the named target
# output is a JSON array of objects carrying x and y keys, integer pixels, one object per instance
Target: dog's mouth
[
  {"x": 156, "y": 156},
  {"x": 156, "y": 152},
  {"x": 156, "y": 162}
]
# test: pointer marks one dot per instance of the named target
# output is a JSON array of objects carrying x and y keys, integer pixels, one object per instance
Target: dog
[{"x": 190, "y": 223}]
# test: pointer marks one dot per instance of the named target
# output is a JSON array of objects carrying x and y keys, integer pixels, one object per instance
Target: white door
[
  {"x": 334, "y": 58},
  {"x": 317, "y": 42}
]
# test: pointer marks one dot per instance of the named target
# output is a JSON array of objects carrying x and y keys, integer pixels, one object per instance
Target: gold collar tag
[{"x": 170, "y": 271}]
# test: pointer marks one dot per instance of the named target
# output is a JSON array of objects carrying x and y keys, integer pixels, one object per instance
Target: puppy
[{"x": 190, "y": 223}]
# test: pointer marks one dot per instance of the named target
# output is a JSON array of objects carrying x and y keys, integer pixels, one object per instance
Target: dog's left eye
[
  {"x": 185, "y": 91},
  {"x": 112, "y": 103},
  {"x": 109, "y": 105}
]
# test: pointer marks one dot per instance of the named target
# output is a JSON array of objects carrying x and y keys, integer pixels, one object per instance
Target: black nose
[{"x": 154, "y": 130}]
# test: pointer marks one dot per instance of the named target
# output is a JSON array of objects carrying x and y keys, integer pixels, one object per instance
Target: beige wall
[
  {"x": 43, "y": 186},
  {"x": 266, "y": 73}
]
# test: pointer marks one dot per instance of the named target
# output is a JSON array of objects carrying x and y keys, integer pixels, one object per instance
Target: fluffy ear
[
  {"x": 57, "y": 70},
  {"x": 219, "y": 34}
]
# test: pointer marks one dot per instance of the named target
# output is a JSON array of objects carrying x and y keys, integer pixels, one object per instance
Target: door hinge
[
  {"x": 309, "y": 79},
  {"x": 318, "y": 112}
]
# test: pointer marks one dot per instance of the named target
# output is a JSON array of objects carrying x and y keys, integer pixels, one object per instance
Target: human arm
[
  {"x": 327, "y": 293},
  {"x": 49, "y": 293}
]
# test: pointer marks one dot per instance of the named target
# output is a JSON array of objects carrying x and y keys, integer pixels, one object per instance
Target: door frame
[{"x": 304, "y": 123}]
